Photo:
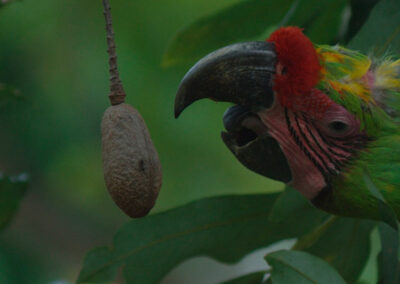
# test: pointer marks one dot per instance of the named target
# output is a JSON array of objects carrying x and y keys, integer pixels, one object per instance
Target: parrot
[{"x": 322, "y": 119}]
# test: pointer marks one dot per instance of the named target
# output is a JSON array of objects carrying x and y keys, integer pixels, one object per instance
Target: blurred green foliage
[
  {"x": 225, "y": 228},
  {"x": 253, "y": 278},
  {"x": 53, "y": 52},
  {"x": 254, "y": 19},
  {"x": 12, "y": 190},
  {"x": 300, "y": 267}
]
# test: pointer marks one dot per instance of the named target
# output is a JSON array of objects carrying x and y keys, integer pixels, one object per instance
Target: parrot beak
[
  {"x": 239, "y": 73},
  {"x": 242, "y": 74}
]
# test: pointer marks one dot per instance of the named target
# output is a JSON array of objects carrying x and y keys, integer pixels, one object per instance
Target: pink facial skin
[{"x": 316, "y": 147}]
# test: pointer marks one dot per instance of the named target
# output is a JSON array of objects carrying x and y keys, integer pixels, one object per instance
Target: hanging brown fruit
[{"x": 132, "y": 169}]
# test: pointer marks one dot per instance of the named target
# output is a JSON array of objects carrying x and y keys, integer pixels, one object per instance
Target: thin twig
[{"x": 117, "y": 94}]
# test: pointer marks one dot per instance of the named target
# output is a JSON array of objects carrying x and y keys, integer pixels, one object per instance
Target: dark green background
[{"x": 54, "y": 53}]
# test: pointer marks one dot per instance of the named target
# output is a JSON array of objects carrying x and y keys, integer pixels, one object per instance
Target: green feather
[{"x": 370, "y": 89}]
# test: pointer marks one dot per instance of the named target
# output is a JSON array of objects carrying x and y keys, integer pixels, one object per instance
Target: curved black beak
[
  {"x": 239, "y": 73},
  {"x": 242, "y": 74}
]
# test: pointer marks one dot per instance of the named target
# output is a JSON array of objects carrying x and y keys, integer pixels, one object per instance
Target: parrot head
[{"x": 318, "y": 118}]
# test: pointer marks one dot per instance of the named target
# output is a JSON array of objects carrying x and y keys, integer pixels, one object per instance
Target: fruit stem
[{"x": 117, "y": 94}]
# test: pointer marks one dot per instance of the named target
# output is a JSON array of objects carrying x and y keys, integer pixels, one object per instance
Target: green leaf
[
  {"x": 238, "y": 22},
  {"x": 345, "y": 245},
  {"x": 301, "y": 268},
  {"x": 381, "y": 32},
  {"x": 12, "y": 189},
  {"x": 251, "y": 19},
  {"x": 321, "y": 19},
  {"x": 311, "y": 238},
  {"x": 387, "y": 213},
  {"x": 101, "y": 260},
  {"x": 343, "y": 242},
  {"x": 360, "y": 10},
  {"x": 291, "y": 205},
  {"x": 253, "y": 278},
  {"x": 388, "y": 258},
  {"x": 9, "y": 94},
  {"x": 225, "y": 228}
]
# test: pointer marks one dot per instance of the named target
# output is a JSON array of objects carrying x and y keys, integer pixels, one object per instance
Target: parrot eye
[
  {"x": 338, "y": 126},
  {"x": 338, "y": 122}
]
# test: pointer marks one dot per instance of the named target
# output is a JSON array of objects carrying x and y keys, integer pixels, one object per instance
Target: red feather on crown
[{"x": 297, "y": 71}]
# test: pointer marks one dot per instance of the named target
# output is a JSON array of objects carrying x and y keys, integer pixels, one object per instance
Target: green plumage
[{"x": 370, "y": 89}]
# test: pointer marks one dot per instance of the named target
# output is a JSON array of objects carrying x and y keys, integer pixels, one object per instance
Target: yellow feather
[
  {"x": 360, "y": 67},
  {"x": 352, "y": 87},
  {"x": 387, "y": 75},
  {"x": 332, "y": 57},
  {"x": 350, "y": 67}
]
